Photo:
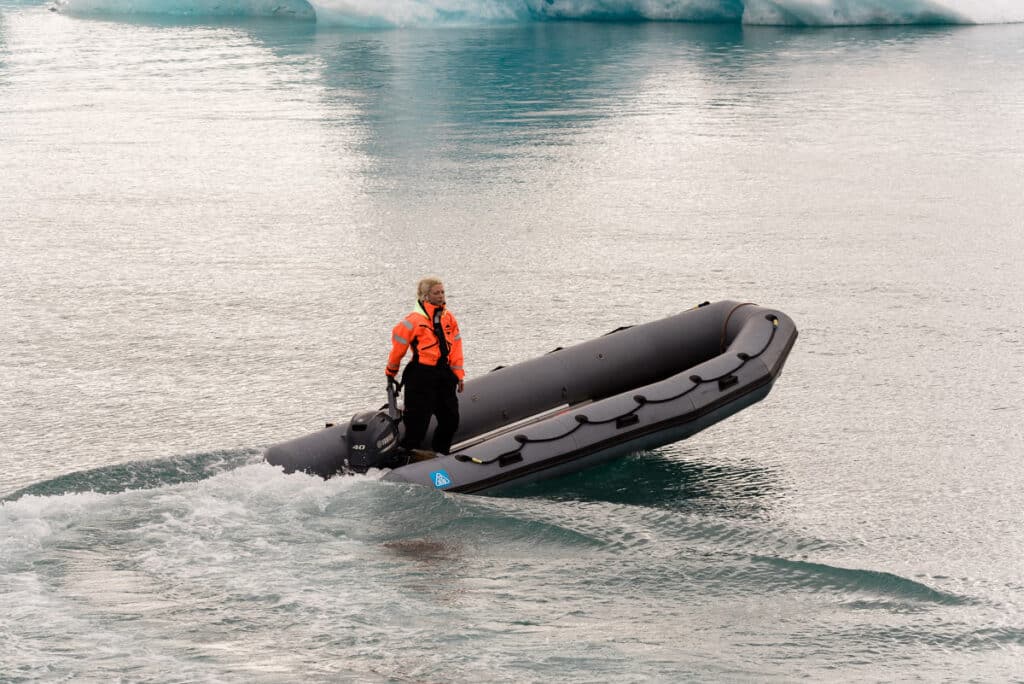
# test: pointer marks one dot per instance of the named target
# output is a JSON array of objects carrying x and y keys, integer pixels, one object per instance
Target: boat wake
[
  {"x": 149, "y": 474},
  {"x": 352, "y": 567},
  {"x": 418, "y": 13}
]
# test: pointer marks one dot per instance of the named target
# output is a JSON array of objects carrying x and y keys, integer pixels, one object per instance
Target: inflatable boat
[{"x": 635, "y": 388}]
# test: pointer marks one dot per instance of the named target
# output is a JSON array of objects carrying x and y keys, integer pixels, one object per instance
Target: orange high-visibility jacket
[{"x": 417, "y": 331}]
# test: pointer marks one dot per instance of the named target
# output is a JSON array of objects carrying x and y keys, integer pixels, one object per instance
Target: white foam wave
[
  {"x": 28, "y": 522},
  {"x": 409, "y": 13}
]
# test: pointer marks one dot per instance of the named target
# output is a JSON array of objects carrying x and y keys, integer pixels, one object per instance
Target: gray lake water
[{"x": 209, "y": 226}]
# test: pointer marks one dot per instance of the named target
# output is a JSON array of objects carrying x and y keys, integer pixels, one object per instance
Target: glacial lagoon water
[{"x": 210, "y": 221}]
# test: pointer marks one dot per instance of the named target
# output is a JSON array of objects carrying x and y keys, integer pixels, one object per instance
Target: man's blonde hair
[{"x": 423, "y": 288}]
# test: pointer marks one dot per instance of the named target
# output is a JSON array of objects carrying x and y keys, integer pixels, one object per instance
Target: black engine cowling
[{"x": 372, "y": 439}]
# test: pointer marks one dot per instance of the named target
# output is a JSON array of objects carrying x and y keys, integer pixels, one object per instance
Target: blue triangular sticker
[{"x": 441, "y": 479}]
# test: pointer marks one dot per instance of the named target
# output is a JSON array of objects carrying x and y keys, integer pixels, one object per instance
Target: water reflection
[
  {"x": 484, "y": 93},
  {"x": 424, "y": 101},
  {"x": 666, "y": 480}
]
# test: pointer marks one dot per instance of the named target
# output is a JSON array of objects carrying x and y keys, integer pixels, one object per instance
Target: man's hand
[{"x": 461, "y": 385}]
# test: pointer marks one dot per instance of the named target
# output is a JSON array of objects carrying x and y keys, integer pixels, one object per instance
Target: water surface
[{"x": 209, "y": 226}]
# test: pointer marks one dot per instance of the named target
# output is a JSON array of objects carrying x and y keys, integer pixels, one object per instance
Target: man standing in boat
[{"x": 435, "y": 372}]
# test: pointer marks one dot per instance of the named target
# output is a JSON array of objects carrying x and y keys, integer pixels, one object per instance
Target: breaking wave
[{"x": 409, "y": 13}]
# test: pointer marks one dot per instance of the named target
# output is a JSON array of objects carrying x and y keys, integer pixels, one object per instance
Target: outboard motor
[
  {"x": 372, "y": 439},
  {"x": 373, "y": 436}
]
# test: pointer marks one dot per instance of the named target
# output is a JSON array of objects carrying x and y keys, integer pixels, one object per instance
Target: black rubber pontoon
[{"x": 635, "y": 388}]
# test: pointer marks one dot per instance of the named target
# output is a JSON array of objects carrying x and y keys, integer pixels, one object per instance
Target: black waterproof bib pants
[{"x": 430, "y": 390}]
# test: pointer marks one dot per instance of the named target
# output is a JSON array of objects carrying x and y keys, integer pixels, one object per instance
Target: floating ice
[{"x": 399, "y": 13}]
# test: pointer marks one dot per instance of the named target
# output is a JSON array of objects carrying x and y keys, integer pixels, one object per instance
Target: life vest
[{"x": 418, "y": 330}]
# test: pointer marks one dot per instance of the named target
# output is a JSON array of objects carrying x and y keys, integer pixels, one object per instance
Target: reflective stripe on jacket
[{"x": 417, "y": 331}]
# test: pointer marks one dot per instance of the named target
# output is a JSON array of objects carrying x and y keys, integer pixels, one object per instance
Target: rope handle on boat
[{"x": 629, "y": 417}]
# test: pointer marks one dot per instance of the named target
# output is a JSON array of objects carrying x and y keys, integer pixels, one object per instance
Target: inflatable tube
[{"x": 635, "y": 388}]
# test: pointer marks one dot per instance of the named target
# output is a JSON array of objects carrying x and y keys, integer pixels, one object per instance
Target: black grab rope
[{"x": 628, "y": 418}]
